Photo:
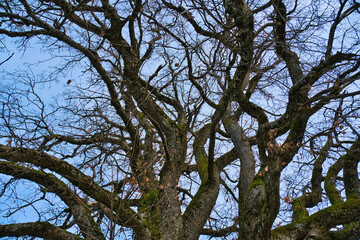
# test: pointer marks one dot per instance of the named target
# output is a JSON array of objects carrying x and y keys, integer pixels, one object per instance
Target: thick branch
[
  {"x": 318, "y": 224},
  {"x": 78, "y": 208},
  {"x": 36, "y": 229},
  {"x": 246, "y": 156},
  {"x": 291, "y": 59},
  {"x": 79, "y": 179},
  {"x": 351, "y": 176},
  {"x": 314, "y": 197}
]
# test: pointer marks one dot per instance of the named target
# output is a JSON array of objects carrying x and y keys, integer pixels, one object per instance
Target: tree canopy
[{"x": 171, "y": 119}]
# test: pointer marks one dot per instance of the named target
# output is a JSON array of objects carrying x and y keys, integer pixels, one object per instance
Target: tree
[{"x": 189, "y": 119}]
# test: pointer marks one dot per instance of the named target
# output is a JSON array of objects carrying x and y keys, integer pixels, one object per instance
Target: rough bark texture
[{"x": 181, "y": 119}]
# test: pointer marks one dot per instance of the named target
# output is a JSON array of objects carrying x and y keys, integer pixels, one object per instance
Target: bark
[
  {"x": 311, "y": 199},
  {"x": 76, "y": 177},
  {"x": 246, "y": 156},
  {"x": 80, "y": 211},
  {"x": 351, "y": 176},
  {"x": 36, "y": 229},
  {"x": 261, "y": 206},
  {"x": 161, "y": 119},
  {"x": 200, "y": 207},
  {"x": 319, "y": 224}
]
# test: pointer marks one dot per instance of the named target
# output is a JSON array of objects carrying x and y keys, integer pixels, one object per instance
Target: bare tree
[{"x": 190, "y": 119}]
